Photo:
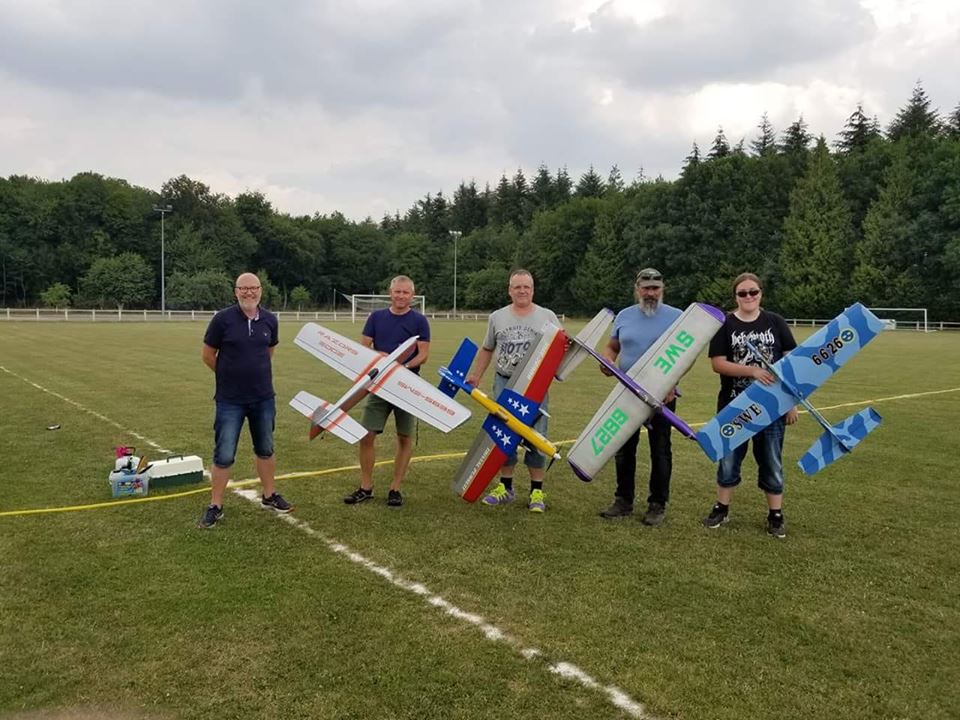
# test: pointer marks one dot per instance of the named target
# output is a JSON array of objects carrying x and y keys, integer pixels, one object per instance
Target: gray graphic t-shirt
[{"x": 511, "y": 335}]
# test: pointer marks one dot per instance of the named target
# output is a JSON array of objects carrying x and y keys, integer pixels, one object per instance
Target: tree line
[{"x": 872, "y": 216}]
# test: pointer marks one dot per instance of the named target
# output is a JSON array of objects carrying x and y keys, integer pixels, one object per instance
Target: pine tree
[
  {"x": 563, "y": 187},
  {"x": 818, "y": 242},
  {"x": 543, "y": 191},
  {"x": 796, "y": 139},
  {"x": 720, "y": 148},
  {"x": 953, "y": 124},
  {"x": 915, "y": 118},
  {"x": 614, "y": 182},
  {"x": 693, "y": 159},
  {"x": 882, "y": 256},
  {"x": 590, "y": 185},
  {"x": 766, "y": 143},
  {"x": 858, "y": 132}
]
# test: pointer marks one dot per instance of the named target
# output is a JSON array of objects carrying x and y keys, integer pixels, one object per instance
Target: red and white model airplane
[
  {"x": 513, "y": 413},
  {"x": 372, "y": 372}
]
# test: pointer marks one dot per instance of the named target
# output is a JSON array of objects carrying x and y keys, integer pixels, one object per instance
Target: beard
[{"x": 649, "y": 306}]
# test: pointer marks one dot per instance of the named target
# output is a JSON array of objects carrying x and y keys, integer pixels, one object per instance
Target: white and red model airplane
[{"x": 372, "y": 372}]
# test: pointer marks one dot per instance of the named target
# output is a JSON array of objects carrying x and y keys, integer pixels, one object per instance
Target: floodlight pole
[
  {"x": 456, "y": 235},
  {"x": 163, "y": 210}
]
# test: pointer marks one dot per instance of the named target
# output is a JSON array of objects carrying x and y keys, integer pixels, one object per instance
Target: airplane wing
[
  {"x": 408, "y": 391},
  {"x": 531, "y": 380},
  {"x": 341, "y": 353},
  {"x": 657, "y": 371},
  {"x": 800, "y": 373},
  {"x": 341, "y": 424}
]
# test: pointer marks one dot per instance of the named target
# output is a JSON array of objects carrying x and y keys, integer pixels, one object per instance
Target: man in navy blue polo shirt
[
  {"x": 385, "y": 331},
  {"x": 238, "y": 346}
]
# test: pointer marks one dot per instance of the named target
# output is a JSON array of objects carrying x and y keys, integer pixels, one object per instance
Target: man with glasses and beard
[
  {"x": 238, "y": 346},
  {"x": 635, "y": 329}
]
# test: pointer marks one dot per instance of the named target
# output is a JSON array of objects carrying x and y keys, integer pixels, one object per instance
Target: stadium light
[
  {"x": 163, "y": 210},
  {"x": 456, "y": 235}
]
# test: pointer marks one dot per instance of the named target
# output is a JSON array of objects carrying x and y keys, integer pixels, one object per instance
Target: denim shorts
[
  {"x": 767, "y": 451},
  {"x": 376, "y": 411},
  {"x": 260, "y": 416},
  {"x": 531, "y": 458}
]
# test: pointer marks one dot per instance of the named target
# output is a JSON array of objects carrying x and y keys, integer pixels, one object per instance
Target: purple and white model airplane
[{"x": 641, "y": 389}]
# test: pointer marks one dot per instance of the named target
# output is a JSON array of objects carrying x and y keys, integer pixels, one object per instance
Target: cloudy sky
[{"x": 363, "y": 106}]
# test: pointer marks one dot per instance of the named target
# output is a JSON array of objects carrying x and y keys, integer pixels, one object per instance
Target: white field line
[
  {"x": 491, "y": 632},
  {"x": 85, "y": 409}
]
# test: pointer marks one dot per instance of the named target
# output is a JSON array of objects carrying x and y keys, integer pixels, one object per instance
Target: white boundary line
[
  {"x": 491, "y": 632},
  {"x": 97, "y": 415}
]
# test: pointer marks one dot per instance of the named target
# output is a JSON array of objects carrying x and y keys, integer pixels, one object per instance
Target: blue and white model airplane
[{"x": 797, "y": 376}]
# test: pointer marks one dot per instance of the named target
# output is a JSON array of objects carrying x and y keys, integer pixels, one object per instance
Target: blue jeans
[
  {"x": 229, "y": 421},
  {"x": 531, "y": 458},
  {"x": 767, "y": 451}
]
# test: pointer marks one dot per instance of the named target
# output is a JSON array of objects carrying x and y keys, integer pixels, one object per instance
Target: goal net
[
  {"x": 902, "y": 318},
  {"x": 363, "y": 305}
]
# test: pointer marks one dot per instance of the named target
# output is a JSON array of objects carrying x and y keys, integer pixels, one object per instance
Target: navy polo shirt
[
  {"x": 390, "y": 331},
  {"x": 244, "y": 374}
]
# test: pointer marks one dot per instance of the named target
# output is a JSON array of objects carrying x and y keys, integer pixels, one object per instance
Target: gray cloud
[{"x": 366, "y": 106}]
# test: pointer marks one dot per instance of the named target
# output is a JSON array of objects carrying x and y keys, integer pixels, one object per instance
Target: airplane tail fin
[
  {"x": 459, "y": 366},
  {"x": 839, "y": 440},
  {"x": 590, "y": 335},
  {"x": 325, "y": 417}
]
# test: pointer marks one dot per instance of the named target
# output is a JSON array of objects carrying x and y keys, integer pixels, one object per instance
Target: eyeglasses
[
  {"x": 649, "y": 276},
  {"x": 752, "y": 293},
  {"x": 247, "y": 288}
]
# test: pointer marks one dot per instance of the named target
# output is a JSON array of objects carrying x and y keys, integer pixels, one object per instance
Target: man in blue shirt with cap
[{"x": 635, "y": 329}]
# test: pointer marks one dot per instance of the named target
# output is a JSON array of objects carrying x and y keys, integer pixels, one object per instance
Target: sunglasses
[
  {"x": 649, "y": 276},
  {"x": 247, "y": 288},
  {"x": 751, "y": 293}
]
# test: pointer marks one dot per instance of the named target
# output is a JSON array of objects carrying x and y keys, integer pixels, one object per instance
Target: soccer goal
[
  {"x": 895, "y": 318},
  {"x": 363, "y": 305}
]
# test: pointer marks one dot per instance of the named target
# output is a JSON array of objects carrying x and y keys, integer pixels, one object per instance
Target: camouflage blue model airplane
[{"x": 797, "y": 375}]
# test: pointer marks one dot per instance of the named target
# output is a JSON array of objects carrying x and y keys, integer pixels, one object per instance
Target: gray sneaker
[
  {"x": 776, "y": 526},
  {"x": 655, "y": 514},
  {"x": 618, "y": 509}
]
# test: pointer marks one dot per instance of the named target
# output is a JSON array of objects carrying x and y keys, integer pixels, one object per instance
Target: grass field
[{"x": 446, "y": 610}]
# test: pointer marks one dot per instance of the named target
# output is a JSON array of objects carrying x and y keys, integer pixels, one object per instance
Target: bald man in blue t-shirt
[{"x": 635, "y": 329}]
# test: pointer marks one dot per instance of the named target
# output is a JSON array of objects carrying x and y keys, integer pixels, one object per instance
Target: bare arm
[
  {"x": 366, "y": 341},
  {"x": 480, "y": 366},
  {"x": 611, "y": 352},
  {"x": 209, "y": 356},
  {"x": 423, "y": 352}
]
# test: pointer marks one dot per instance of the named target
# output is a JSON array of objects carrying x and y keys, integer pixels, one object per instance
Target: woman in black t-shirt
[{"x": 737, "y": 367}]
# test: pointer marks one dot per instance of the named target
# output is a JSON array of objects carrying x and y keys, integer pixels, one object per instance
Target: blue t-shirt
[
  {"x": 390, "y": 331},
  {"x": 244, "y": 373},
  {"x": 637, "y": 332}
]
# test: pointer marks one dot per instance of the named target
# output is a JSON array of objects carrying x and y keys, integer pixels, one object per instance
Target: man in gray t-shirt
[{"x": 510, "y": 333}]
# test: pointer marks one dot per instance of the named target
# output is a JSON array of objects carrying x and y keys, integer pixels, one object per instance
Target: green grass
[{"x": 131, "y": 611}]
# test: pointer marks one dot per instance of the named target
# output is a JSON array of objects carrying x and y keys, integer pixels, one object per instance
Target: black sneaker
[
  {"x": 210, "y": 517},
  {"x": 655, "y": 514},
  {"x": 717, "y": 517},
  {"x": 275, "y": 503},
  {"x": 394, "y": 498},
  {"x": 776, "y": 526},
  {"x": 358, "y": 496},
  {"x": 618, "y": 509}
]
